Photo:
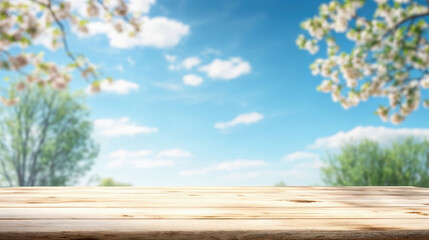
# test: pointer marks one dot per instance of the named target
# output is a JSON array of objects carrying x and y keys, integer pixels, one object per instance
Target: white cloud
[
  {"x": 248, "y": 175},
  {"x": 295, "y": 173},
  {"x": 208, "y": 51},
  {"x": 194, "y": 172},
  {"x": 191, "y": 62},
  {"x": 188, "y": 63},
  {"x": 301, "y": 173},
  {"x": 297, "y": 156},
  {"x": 174, "y": 153},
  {"x": 119, "y": 86},
  {"x": 192, "y": 80},
  {"x": 124, "y": 154},
  {"x": 168, "y": 86},
  {"x": 131, "y": 61},
  {"x": 159, "y": 32},
  {"x": 115, "y": 163},
  {"x": 226, "y": 69},
  {"x": 140, "y": 6},
  {"x": 79, "y": 5},
  {"x": 170, "y": 58},
  {"x": 173, "y": 67},
  {"x": 145, "y": 158},
  {"x": 140, "y": 163},
  {"x": 225, "y": 166},
  {"x": 152, "y": 163},
  {"x": 120, "y": 67},
  {"x": 382, "y": 135},
  {"x": 247, "y": 118},
  {"x": 120, "y": 127},
  {"x": 240, "y": 163},
  {"x": 316, "y": 164}
]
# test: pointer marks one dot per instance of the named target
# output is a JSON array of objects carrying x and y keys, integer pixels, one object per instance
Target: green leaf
[
  {"x": 72, "y": 65},
  {"x": 83, "y": 22},
  {"x": 20, "y": 18},
  {"x": 25, "y": 41},
  {"x": 56, "y": 31},
  {"x": 96, "y": 83}
]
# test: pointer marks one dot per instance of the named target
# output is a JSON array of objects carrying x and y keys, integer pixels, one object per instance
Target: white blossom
[
  {"x": 383, "y": 57},
  {"x": 381, "y": 1},
  {"x": 425, "y": 82},
  {"x": 18, "y": 62},
  {"x": 326, "y": 86},
  {"x": 24, "y": 23},
  {"x": 312, "y": 47},
  {"x": 383, "y": 113},
  {"x": 9, "y": 102},
  {"x": 396, "y": 118},
  {"x": 402, "y": 1}
]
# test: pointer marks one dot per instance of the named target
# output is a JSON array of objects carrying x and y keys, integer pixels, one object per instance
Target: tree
[
  {"x": 46, "y": 138},
  {"x": 25, "y": 22},
  {"x": 110, "y": 182},
  {"x": 367, "y": 164},
  {"x": 280, "y": 184},
  {"x": 389, "y": 57}
]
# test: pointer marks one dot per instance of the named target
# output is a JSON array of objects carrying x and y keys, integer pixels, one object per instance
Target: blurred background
[{"x": 214, "y": 93}]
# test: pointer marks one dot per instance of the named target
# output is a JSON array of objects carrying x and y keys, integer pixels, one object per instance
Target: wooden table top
[{"x": 237, "y": 213}]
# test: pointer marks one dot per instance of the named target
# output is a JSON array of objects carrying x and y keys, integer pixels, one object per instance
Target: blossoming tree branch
[
  {"x": 390, "y": 57},
  {"x": 24, "y": 23}
]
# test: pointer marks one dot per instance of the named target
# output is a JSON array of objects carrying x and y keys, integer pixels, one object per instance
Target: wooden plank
[
  {"x": 211, "y": 213},
  {"x": 150, "y": 225},
  {"x": 262, "y": 197},
  {"x": 138, "y": 198},
  {"x": 109, "y": 202},
  {"x": 222, "y": 235},
  {"x": 228, "y": 190},
  {"x": 161, "y": 199},
  {"x": 220, "y": 190},
  {"x": 217, "y": 194},
  {"x": 214, "y": 213}
]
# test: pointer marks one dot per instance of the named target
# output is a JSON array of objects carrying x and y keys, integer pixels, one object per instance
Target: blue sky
[{"x": 161, "y": 132}]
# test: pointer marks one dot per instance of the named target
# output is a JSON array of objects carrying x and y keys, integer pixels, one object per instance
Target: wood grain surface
[{"x": 232, "y": 213}]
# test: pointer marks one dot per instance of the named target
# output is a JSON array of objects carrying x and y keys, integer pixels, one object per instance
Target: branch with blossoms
[
  {"x": 24, "y": 22},
  {"x": 389, "y": 58}
]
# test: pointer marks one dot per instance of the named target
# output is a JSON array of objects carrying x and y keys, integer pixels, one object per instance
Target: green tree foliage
[
  {"x": 110, "y": 182},
  {"x": 45, "y": 138},
  {"x": 404, "y": 163},
  {"x": 280, "y": 184}
]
